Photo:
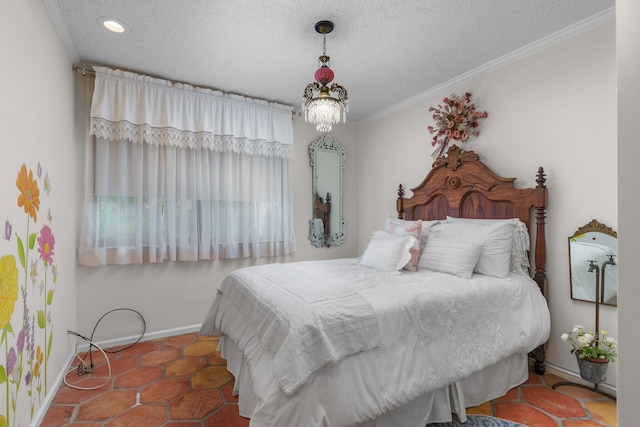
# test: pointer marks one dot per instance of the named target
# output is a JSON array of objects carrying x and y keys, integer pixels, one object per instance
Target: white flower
[{"x": 587, "y": 344}]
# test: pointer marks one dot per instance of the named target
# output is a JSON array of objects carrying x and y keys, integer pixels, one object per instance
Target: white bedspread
[
  {"x": 307, "y": 321},
  {"x": 436, "y": 329}
]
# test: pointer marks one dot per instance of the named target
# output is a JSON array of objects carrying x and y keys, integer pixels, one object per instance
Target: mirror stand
[
  {"x": 593, "y": 248},
  {"x": 592, "y": 267}
]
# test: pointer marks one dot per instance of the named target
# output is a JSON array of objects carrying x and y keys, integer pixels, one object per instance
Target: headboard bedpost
[
  {"x": 399, "y": 207},
  {"x": 540, "y": 205}
]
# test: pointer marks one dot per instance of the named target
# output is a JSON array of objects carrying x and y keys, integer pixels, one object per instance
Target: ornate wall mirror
[
  {"x": 327, "y": 159},
  {"x": 599, "y": 243}
]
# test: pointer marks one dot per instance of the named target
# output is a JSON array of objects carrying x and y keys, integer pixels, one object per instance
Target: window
[{"x": 162, "y": 194}]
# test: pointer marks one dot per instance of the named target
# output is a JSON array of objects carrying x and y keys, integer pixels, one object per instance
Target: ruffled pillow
[
  {"x": 400, "y": 228},
  {"x": 387, "y": 252}
]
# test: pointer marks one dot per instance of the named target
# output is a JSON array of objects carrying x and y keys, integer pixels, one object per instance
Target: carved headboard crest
[
  {"x": 460, "y": 185},
  {"x": 455, "y": 158}
]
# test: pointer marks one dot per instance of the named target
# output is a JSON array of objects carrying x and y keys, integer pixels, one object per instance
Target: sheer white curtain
[{"x": 183, "y": 173}]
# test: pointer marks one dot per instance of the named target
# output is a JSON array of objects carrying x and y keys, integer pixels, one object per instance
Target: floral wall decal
[
  {"x": 28, "y": 271},
  {"x": 8, "y": 228}
]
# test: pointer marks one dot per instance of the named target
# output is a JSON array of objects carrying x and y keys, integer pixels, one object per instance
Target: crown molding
[
  {"x": 596, "y": 20},
  {"x": 61, "y": 28}
]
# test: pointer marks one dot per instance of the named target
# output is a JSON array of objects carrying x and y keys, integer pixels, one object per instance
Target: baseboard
[
  {"x": 59, "y": 381},
  {"x": 574, "y": 377},
  {"x": 148, "y": 336}
]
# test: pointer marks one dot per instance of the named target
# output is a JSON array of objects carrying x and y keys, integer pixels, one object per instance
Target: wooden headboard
[{"x": 460, "y": 185}]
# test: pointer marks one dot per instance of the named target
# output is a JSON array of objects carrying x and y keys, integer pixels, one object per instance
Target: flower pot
[{"x": 593, "y": 370}]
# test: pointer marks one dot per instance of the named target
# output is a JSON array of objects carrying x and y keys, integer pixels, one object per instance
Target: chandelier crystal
[{"x": 324, "y": 110}]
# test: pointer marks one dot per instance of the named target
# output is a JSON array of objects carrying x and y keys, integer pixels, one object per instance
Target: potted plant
[{"x": 592, "y": 352}]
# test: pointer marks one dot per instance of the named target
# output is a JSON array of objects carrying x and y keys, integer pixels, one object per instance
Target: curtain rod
[{"x": 89, "y": 72}]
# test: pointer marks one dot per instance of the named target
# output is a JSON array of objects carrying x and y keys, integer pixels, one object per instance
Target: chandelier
[{"x": 324, "y": 110}]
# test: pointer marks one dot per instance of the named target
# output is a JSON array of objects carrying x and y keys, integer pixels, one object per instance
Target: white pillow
[
  {"x": 400, "y": 227},
  {"x": 426, "y": 228},
  {"x": 387, "y": 252},
  {"x": 496, "y": 239},
  {"x": 450, "y": 256},
  {"x": 521, "y": 242}
]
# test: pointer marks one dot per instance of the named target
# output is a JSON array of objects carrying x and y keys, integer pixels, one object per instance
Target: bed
[{"x": 415, "y": 330}]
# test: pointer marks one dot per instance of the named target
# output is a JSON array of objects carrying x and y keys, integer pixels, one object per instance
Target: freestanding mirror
[
  {"x": 327, "y": 159},
  {"x": 599, "y": 243}
]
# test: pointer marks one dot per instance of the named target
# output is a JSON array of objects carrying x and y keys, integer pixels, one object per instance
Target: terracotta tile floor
[
  {"x": 181, "y": 381},
  {"x": 536, "y": 404}
]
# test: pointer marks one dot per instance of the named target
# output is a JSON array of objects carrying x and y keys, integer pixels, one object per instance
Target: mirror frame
[
  {"x": 327, "y": 143},
  {"x": 592, "y": 227}
]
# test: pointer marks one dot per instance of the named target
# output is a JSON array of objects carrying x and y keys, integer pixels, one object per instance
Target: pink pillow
[{"x": 399, "y": 227}]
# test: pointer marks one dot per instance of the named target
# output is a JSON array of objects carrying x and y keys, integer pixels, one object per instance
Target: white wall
[
  {"x": 36, "y": 120},
  {"x": 556, "y": 109},
  {"x": 628, "y": 46},
  {"x": 560, "y": 101},
  {"x": 178, "y": 294}
]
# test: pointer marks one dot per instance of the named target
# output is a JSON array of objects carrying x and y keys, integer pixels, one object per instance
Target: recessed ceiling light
[{"x": 113, "y": 25}]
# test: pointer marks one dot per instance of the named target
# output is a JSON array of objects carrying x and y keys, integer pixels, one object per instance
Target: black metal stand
[{"x": 593, "y": 266}]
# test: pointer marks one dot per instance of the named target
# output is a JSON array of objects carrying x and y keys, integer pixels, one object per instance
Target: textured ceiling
[{"x": 383, "y": 52}]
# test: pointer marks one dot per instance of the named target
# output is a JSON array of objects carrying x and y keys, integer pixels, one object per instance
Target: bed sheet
[{"x": 436, "y": 330}]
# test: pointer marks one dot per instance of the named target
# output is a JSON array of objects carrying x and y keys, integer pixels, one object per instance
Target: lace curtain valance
[
  {"x": 143, "y": 109},
  {"x": 177, "y": 173}
]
